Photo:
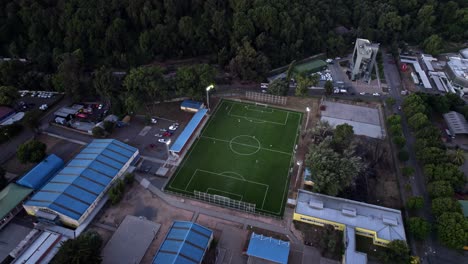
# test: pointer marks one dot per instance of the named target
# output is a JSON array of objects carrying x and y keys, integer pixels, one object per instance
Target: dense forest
[{"x": 259, "y": 33}]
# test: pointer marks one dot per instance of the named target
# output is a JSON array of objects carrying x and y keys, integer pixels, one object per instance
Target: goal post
[
  {"x": 261, "y": 104},
  {"x": 225, "y": 201}
]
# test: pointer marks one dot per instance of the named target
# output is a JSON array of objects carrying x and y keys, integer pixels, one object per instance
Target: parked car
[
  {"x": 163, "y": 130},
  {"x": 43, "y": 107},
  {"x": 362, "y": 93},
  {"x": 376, "y": 94},
  {"x": 173, "y": 127},
  {"x": 167, "y": 134},
  {"x": 158, "y": 135},
  {"x": 162, "y": 140},
  {"x": 154, "y": 121}
]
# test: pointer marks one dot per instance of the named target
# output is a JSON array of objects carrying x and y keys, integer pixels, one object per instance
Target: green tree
[
  {"x": 419, "y": 227},
  {"x": 117, "y": 191},
  {"x": 394, "y": 120},
  {"x": 3, "y": 179},
  {"x": 445, "y": 172},
  {"x": 458, "y": 157},
  {"x": 303, "y": 83},
  {"x": 403, "y": 155},
  {"x": 407, "y": 171},
  {"x": 109, "y": 126},
  {"x": 444, "y": 205},
  {"x": 440, "y": 189},
  {"x": 8, "y": 95},
  {"x": 342, "y": 137},
  {"x": 10, "y": 131},
  {"x": 432, "y": 155},
  {"x": 145, "y": 85},
  {"x": 98, "y": 132},
  {"x": 278, "y": 87},
  {"x": 31, "y": 151},
  {"x": 399, "y": 141},
  {"x": 106, "y": 86},
  {"x": 390, "y": 101},
  {"x": 433, "y": 44},
  {"x": 249, "y": 64},
  {"x": 328, "y": 88},
  {"x": 192, "y": 81},
  {"x": 86, "y": 248},
  {"x": 415, "y": 203},
  {"x": 396, "y": 130},
  {"x": 333, "y": 171},
  {"x": 31, "y": 119},
  {"x": 418, "y": 120},
  {"x": 69, "y": 76},
  {"x": 397, "y": 251},
  {"x": 452, "y": 229}
]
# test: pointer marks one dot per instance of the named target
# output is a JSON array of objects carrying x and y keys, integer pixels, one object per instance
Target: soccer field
[{"x": 244, "y": 153}]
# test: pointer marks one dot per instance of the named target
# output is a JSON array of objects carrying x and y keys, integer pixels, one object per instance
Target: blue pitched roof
[
  {"x": 268, "y": 248},
  {"x": 186, "y": 242},
  {"x": 42, "y": 172},
  {"x": 188, "y": 131},
  {"x": 191, "y": 104},
  {"x": 72, "y": 190}
]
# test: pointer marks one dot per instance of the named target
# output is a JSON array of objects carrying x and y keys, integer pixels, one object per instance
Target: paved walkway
[{"x": 200, "y": 210}]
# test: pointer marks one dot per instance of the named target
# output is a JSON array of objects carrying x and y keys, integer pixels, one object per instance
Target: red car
[{"x": 167, "y": 134}]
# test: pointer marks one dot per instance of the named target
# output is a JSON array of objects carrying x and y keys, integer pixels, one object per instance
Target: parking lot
[{"x": 34, "y": 100}]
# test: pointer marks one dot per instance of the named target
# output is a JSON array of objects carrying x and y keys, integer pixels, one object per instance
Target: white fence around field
[{"x": 266, "y": 98}]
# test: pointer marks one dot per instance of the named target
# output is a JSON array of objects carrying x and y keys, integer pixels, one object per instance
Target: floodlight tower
[
  {"x": 307, "y": 120},
  {"x": 208, "y": 88}
]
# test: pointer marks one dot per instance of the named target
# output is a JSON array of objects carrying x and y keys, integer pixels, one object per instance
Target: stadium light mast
[
  {"x": 307, "y": 120},
  {"x": 299, "y": 164},
  {"x": 167, "y": 147},
  {"x": 210, "y": 87}
]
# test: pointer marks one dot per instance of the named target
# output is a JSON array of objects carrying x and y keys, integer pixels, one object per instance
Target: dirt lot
[{"x": 140, "y": 202}]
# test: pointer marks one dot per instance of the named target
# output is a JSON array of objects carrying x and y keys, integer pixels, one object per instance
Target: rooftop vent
[
  {"x": 388, "y": 220},
  {"x": 348, "y": 211},
  {"x": 316, "y": 204}
]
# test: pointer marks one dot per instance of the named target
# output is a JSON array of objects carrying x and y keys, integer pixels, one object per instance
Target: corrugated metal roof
[
  {"x": 186, "y": 242},
  {"x": 11, "y": 196},
  {"x": 77, "y": 186},
  {"x": 268, "y": 248},
  {"x": 188, "y": 131},
  {"x": 191, "y": 104},
  {"x": 43, "y": 171},
  {"x": 456, "y": 122}
]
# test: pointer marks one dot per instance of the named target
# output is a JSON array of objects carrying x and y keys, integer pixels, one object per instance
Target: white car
[
  {"x": 158, "y": 135},
  {"x": 100, "y": 107},
  {"x": 162, "y": 140},
  {"x": 154, "y": 121},
  {"x": 376, "y": 94},
  {"x": 173, "y": 127},
  {"x": 43, "y": 107},
  {"x": 363, "y": 93},
  {"x": 264, "y": 91}
]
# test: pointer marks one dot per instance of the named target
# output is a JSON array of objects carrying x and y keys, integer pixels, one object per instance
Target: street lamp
[
  {"x": 307, "y": 120},
  {"x": 167, "y": 147},
  {"x": 210, "y": 87},
  {"x": 299, "y": 163}
]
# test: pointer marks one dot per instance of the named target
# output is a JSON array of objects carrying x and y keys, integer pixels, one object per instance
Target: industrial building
[
  {"x": 42, "y": 172},
  {"x": 458, "y": 72},
  {"x": 191, "y": 106},
  {"x": 73, "y": 193},
  {"x": 11, "y": 198},
  {"x": 131, "y": 240},
  {"x": 363, "y": 60},
  {"x": 186, "y": 242},
  {"x": 264, "y": 249},
  {"x": 456, "y": 123},
  {"x": 381, "y": 224}
]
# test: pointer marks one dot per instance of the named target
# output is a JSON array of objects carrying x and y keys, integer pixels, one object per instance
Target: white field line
[
  {"x": 264, "y": 197},
  {"x": 235, "y": 194},
  {"x": 257, "y": 119},
  {"x": 247, "y": 145},
  {"x": 261, "y": 111},
  {"x": 211, "y": 117},
  {"x": 235, "y": 173}
]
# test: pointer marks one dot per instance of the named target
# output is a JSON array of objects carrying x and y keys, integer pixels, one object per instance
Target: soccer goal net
[
  {"x": 225, "y": 201},
  {"x": 260, "y": 104}
]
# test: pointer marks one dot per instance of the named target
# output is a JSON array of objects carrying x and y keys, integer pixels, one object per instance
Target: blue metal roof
[
  {"x": 72, "y": 190},
  {"x": 191, "y": 104},
  {"x": 186, "y": 242},
  {"x": 188, "y": 131},
  {"x": 268, "y": 248},
  {"x": 42, "y": 172}
]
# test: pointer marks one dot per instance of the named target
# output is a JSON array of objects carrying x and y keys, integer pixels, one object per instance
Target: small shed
[
  {"x": 264, "y": 249},
  {"x": 191, "y": 106},
  {"x": 42, "y": 172}
]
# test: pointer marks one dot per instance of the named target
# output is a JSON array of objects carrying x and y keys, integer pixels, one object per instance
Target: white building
[{"x": 363, "y": 60}]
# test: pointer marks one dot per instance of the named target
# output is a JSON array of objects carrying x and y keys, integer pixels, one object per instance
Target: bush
[
  {"x": 31, "y": 151},
  {"x": 109, "y": 126},
  {"x": 403, "y": 155},
  {"x": 98, "y": 132},
  {"x": 445, "y": 205},
  {"x": 440, "y": 189},
  {"x": 396, "y": 130},
  {"x": 407, "y": 171},
  {"x": 117, "y": 191},
  {"x": 419, "y": 227},
  {"x": 399, "y": 141},
  {"x": 415, "y": 202}
]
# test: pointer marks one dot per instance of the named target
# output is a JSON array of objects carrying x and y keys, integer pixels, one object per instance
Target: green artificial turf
[{"x": 244, "y": 153}]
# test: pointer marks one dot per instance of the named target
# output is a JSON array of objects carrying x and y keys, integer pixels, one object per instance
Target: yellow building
[{"x": 381, "y": 224}]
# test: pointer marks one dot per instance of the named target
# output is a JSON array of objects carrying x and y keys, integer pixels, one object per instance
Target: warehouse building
[
  {"x": 186, "y": 242},
  {"x": 42, "y": 172},
  {"x": 72, "y": 194}
]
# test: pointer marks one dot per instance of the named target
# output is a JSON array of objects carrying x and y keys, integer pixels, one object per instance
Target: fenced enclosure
[
  {"x": 266, "y": 98},
  {"x": 225, "y": 201}
]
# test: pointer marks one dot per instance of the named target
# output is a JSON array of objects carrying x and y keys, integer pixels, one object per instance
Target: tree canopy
[
  {"x": 86, "y": 248},
  {"x": 453, "y": 230},
  {"x": 31, "y": 151}
]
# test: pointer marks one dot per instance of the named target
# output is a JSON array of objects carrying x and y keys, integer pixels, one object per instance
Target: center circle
[{"x": 244, "y": 145}]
